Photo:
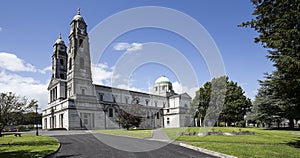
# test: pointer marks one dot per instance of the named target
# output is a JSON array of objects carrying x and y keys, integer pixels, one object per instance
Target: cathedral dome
[
  {"x": 162, "y": 79},
  {"x": 78, "y": 16}
]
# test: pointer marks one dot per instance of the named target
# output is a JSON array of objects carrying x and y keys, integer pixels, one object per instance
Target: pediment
[{"x": 52, "y": 83}]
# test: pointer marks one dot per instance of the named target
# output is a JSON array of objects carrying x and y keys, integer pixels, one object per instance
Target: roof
[{"x": 162, "y": 79}]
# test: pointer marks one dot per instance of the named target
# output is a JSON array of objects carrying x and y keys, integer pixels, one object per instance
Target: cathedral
[{"x": 74, "y": 102}]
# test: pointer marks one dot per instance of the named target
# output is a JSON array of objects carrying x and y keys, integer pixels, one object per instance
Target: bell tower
[
  {"x": 79, "y": 74},
  {"x": 59, "y": 59}
]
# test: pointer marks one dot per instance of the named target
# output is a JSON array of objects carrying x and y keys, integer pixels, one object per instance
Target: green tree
[
  {"x": 10, "y": 106},
  {"x": 221, "y": 100},
  {"x": 201, "y": 101},
  {"x": 278, "y": 25},
  {"x": 266, "y": 107},
  {"x": 236, "y": 105},
  {"x": 128, "y": 120}
]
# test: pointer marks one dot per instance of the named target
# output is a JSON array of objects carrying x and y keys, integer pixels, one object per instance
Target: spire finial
[
  {"x": 78, "y": 11},
  {"x": 59, "y": 36}
]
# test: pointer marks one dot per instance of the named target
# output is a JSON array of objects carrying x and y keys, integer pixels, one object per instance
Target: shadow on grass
[
  {"x": 295, "y": 143},
  {"x": 30, "y": 143},
  {"x": 24, "y": 154},
  {"x": 283, "y": 128},
  {"x": 63, "y": 156}
]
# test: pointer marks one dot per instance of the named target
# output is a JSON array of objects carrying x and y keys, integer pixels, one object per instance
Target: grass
[
  {"x": 27, "y": 146},
  {"x": 265, "y": 143},
  {"x": 136, "y": 133}
]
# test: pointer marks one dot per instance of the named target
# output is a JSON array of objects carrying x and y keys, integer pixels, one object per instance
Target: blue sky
[{"x": 28, "y": 30}]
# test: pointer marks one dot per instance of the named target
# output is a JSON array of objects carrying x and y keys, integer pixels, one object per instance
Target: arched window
[
  {"x": 80, "y": 43},
  {"x": 81, "y": 62},
  {"x": 110, "y": 112},
  {"x": 70, "y": 64},
  {"x": 148, "y": 115},
  {"x": 62, "y": 62},
  {"x": 62, "y": 76}
]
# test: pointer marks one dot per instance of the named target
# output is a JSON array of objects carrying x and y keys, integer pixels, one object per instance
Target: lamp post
[{"x": 36, "y": 120}]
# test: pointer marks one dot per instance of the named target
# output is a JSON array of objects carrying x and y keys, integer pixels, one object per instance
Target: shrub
[{"x": 21, "y": 128}]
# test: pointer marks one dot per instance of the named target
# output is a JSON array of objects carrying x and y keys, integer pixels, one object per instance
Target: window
[
  {"x": 157, "y": 115},
  {"x": 126, "y": 100},
  {"x": 45, "y": 123},
  {"x": 81, "y": 63},
  {"x": 110, "y": 112},
  {"x": 70, "y": 64},
  {"x": 168, "y": 120},
  {"x": 62, "y": 76},
  {"x": 155, "y": 103},
  {"x": 164, "y": 104},
  {"x": 168, "y": 110},
  {"x": 61, "y": 118},
  {"x": 148, "y": 114},
  {"x": 101, "y": 96},
  {"x": 80, "y": 43},
  {"x": 147, "y": 102},
  {"x": 62, "y": 62},
  {"x": 114, "y": 98},
  {"x": 83, "y": 91}
]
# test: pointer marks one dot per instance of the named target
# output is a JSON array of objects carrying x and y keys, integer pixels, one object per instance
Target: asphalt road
[{"x": 98, "y": 145}]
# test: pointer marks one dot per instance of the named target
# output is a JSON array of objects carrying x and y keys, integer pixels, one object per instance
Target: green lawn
[
  {"x": 137, "y": 133},
  {"x": 265, "y": 143},
  {"x": 27, "y": 146}
]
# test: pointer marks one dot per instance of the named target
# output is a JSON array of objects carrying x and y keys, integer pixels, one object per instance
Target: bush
[
  {"x": 241, "y": 124},
  {"x": 21, "y": 128},
  {"x": 30, "y": 127}
]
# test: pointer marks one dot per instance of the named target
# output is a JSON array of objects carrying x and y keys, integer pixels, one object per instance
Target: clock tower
[
  {"x": 79, "y": 74},
  {"x": 59, "y": 59}
]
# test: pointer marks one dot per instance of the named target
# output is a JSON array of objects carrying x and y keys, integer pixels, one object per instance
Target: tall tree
[
  {"x": 201, "y": 101},
  {"x": 221, "y": 100},
  {"x": 278, "y": 25},
  {"x": 236, "y": 104},
  {"x": 10, "y": 105},
  {"x": 266, "y": 107}
]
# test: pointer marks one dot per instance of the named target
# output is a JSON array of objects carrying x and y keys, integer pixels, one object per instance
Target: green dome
[{"x": 162, "y": 79}]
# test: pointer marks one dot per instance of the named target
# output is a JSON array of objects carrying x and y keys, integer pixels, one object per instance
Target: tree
[
  {"x": 201, "y": 101},
  {"x": 10, "y": 106},
  {"x": 127, "y": 120},
  {"x": 236, "y": 105},
  {"x": 266, "y": 107},
  {"x": 221, "y": 100},
  {"x": 278, "y": 25}
]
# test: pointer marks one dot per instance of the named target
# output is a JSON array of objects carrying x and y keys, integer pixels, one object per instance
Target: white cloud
[
  {"x": 102, "y": 74},
  {"x": 128, "y": 87},
  {"x": 179, "y": 88},
  {"x": 24, "y": 86},
  {"x": 11, "y": 62},
  {"x": 128, "y": 47},
  {"x": 44, "y": 70}
]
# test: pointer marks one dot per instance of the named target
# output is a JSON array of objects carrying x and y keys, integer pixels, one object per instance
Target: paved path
[
  {"x": 108, "y": 146},
  {"x": 159, "y": 135}
]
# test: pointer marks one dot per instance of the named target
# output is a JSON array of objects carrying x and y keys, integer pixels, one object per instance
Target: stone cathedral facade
[{"x": 76, "y": 103}]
